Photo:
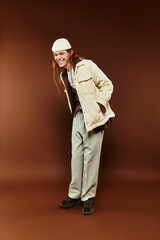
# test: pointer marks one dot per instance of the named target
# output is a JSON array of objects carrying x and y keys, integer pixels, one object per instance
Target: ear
[{"x": 71, "y": 52}]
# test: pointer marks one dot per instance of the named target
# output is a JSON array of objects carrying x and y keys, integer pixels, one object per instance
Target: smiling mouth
[{"x": 60, "y": 61}]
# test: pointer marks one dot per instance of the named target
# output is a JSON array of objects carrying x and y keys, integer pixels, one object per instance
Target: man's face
[{"x": 62, "y": 58}]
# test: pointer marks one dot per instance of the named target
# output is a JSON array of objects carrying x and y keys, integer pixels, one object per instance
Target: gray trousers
[{"x": 86, "y": 151}]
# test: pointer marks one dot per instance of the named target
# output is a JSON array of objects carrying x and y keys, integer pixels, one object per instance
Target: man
[{"x": 88, "y": 92}]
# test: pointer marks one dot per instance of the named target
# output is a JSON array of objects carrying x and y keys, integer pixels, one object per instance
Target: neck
[{"x": 69, "y": 67}]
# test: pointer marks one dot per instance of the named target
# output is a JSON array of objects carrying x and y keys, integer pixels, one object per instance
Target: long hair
[{"x": 57, "y": 69}]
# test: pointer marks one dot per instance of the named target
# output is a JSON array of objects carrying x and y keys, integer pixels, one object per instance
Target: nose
[
  {"x": 60, "y": 58},
  {"x": 57, "y": 58}
]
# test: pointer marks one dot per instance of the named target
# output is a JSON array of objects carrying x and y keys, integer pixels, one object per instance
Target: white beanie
[{"x": 60, "y": 45}]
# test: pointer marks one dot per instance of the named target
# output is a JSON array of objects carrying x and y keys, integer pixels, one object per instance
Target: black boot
[
  {"x": 88, "y": 207},
  {"x": 70, "y": 202}
]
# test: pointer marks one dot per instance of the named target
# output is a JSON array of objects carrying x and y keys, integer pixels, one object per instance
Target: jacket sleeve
[{"x": 103, "y": 83}]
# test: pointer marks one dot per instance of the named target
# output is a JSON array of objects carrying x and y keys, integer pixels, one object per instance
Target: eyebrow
[{"x": 59, "y": 53}]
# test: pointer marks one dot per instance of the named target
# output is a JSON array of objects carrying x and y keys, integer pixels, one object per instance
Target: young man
[{"x": 88, "y": 92}]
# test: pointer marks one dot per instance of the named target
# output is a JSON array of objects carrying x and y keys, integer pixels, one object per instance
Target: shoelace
[
  {"x": 68, "y": 199},
  {"x": 88, "y": 203}
]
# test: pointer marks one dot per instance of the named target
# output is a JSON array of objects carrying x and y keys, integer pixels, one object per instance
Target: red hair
[{"x": 57, "y": 69}]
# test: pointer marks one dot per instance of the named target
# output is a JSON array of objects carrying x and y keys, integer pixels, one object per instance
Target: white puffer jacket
[{"x": 92, "y": 86}]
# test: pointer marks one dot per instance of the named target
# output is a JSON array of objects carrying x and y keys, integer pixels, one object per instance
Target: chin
[{"x": 61, "y": 65}]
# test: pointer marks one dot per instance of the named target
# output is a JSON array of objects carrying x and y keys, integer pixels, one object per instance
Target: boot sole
[{"x": 88, "y": 213}]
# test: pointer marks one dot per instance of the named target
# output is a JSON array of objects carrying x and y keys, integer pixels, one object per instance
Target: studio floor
[{"x": 123, "y": 211}]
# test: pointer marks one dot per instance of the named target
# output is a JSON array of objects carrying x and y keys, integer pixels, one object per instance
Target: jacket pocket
[
  {"x": 86, "y": 84},
  {"x": 84, "y": 77}
]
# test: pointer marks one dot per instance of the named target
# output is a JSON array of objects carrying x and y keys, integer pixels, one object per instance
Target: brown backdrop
[{"x": 123, "y": 39}]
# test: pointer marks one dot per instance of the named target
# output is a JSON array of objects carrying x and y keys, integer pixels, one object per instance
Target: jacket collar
[{"x": 75, "y": 62}]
